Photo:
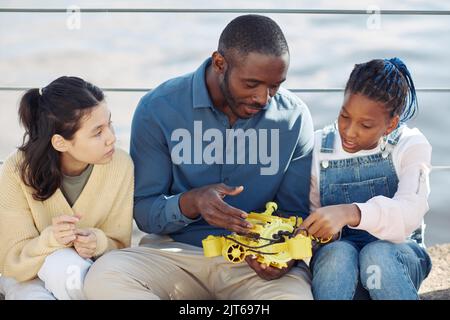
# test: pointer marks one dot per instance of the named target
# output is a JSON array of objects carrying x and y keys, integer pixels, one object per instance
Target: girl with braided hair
[{"x": 369, "y": 190}]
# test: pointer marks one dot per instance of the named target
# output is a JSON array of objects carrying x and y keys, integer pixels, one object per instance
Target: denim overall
[
  {"x": 342, "y": 269},
  {"x": 358, "y": 180}
]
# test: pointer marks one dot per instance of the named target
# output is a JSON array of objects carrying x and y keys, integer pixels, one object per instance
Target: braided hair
[{"x": 387, "y": 81}]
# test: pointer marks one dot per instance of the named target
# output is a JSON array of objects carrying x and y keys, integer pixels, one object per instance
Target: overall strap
[
  {"x": 391, "y": 141},
  {"x": 395, "y": 135},
  {"x": 328, "y": 137}
]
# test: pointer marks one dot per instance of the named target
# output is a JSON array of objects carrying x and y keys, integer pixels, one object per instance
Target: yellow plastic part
[
  {"x": 266, "y": 227},
  {"x": 212, "y": 246}
]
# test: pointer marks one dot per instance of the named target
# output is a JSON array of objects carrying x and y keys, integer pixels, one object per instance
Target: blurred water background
[{"x": 143, "y": 49}]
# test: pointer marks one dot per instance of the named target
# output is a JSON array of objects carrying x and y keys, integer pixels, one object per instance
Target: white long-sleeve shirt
[{"x": 392, "y": 219}]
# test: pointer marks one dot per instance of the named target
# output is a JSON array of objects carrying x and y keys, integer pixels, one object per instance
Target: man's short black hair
[{"x": 253, "y": 33}]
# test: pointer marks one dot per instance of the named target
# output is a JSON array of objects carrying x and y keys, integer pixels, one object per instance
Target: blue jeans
[{"x": 381, "y": 270}]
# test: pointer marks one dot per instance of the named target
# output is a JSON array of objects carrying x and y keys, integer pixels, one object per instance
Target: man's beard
[
  {"x": 229, "y": 98},
  {"x": 225, "y": 89}
]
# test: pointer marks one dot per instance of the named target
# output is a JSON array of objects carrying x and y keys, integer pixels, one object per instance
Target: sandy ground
[{"x": 437, "y": 285}]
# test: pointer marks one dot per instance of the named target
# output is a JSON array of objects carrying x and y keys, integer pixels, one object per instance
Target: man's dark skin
[{"x": 240, "y": 85}]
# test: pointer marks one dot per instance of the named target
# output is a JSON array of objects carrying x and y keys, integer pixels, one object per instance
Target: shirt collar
[{"x": 200, "y": 94}]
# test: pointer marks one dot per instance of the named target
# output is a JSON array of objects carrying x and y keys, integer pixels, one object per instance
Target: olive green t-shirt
[{"x": 72, "y": 186}]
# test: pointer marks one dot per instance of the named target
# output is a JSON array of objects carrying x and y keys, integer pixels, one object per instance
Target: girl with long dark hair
[{"x": 66, "y": 195}]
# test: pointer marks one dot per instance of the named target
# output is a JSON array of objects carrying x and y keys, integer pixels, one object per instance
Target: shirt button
[
  {"x": 174, "y": 216},
  {"x": 325, "y": 164},
  {"x": 226, "y": 180}
]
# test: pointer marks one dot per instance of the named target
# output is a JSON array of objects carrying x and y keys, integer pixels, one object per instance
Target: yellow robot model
[{"x": 272, "y": 240}]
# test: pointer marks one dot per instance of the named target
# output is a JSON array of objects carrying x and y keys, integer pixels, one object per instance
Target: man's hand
[
  {"x": 327, "y": 221},
  {"x": 208, "y": 202},
  {"x": 85, "y": 243},
  {"x": 267, "y": 272},
  {"x": 64, "y": 229}
]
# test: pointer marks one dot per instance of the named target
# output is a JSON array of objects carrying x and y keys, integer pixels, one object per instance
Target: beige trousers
[{"x": 164, "y": 269}]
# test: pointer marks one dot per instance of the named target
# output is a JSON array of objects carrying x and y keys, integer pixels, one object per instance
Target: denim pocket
[{"x": 345, "y": 193}]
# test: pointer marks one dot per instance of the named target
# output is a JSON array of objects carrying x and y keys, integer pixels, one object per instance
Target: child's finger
[
  {"x": 322, "y": 233},
  {"x": 65, "y": 219},
  {"x": 82, "y": 233},
  {"x": 64, "y": 227},
  {"x": 82, "y": 244},
  {"x": 80, "y": 251},
  {"x": 309, "y": 221},
  {"x": 85, "y": 253},
  {"x": 314, "y": 228},
  {"x": 83, "y": 239},
  {"x": 68, "y": 239},
  {"x": 64, "y": 234}
]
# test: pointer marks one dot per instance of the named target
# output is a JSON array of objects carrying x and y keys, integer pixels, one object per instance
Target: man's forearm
[{"x": 160, "y": 215}]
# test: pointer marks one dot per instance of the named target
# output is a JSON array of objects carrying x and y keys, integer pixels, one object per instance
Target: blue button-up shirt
[{"x": 180, "y": 141}]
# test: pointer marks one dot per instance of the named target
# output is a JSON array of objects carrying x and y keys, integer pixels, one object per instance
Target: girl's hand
[
  {"x": 64, "y": 229},
  {"x": 85, "y": 243},
  {"x": 327, "y": 221}
]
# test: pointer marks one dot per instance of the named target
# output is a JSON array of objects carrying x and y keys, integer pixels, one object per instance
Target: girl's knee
[
  {"x": 335, "y": 271},
  {"x": 63, "y": 273},
  {"x": 384, "y": 260},
  {"x": 63, "y": 262},
  {"x": 337, "y": 252},
  {"x": 390, "y": 271},
  {"x": 377, "y": 254}
]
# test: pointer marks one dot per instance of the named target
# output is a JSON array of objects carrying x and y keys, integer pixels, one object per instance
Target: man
[{"x": 209, "y": 147}]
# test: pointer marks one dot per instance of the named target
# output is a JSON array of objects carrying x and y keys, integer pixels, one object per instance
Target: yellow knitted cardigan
[{"x": 26, "y": 237}]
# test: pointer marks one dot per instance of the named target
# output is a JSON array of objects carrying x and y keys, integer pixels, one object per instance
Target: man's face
[{"x": 248, "y": 84}]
